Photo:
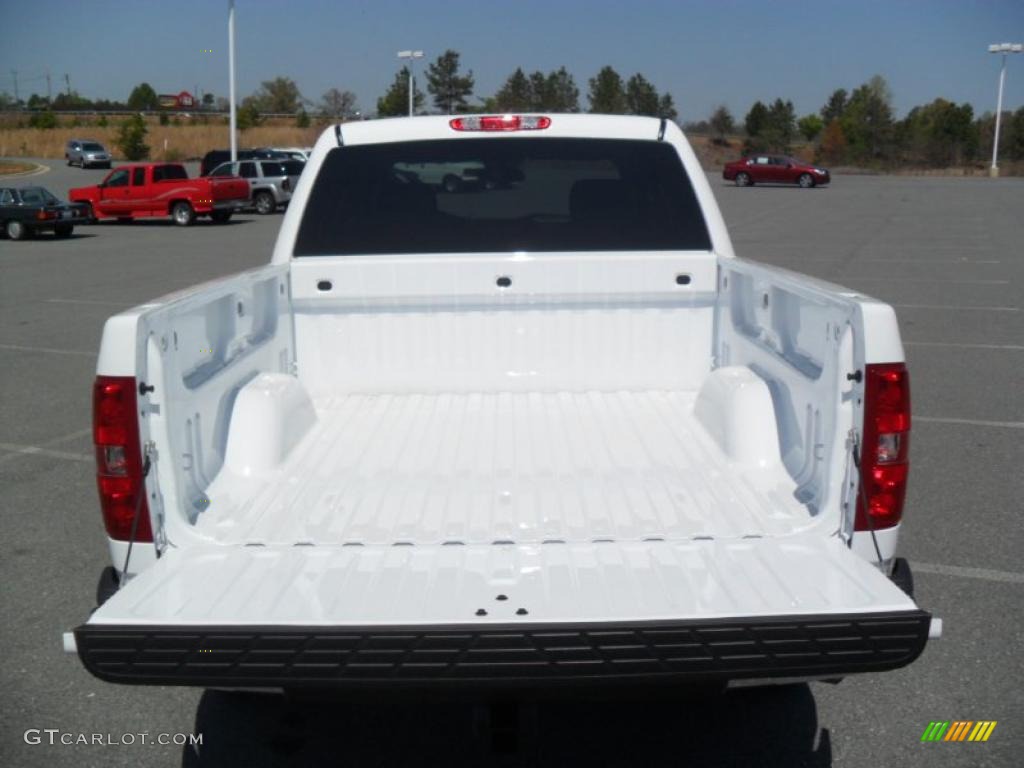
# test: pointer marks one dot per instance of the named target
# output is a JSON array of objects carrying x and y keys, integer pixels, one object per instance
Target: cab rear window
[{"x": 499, "y": 195}]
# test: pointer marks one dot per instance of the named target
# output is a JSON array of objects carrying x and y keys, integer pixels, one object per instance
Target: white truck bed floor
[{"x": 489, "y": 468}]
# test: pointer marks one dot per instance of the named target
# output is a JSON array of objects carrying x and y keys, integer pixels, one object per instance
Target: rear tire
[
  {"x": 16, "y": 230},
  {"x": 108, "y": 584},
  {"x": 63, "y": 230},
  {"x": 183, "y": 214},
  {"x": 90, "y": 214},
  {"x": 743, "y": 179},
  {"x": 451, "y": 183},
  {"x": 264, "y": 202},
  {"x": 901, "y": 576},
  {"x": 221, "y": 217},
  {"x": 805, "y": 180}
]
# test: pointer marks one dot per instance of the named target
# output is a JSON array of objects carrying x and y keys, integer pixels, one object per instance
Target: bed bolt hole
[
  {"x": 521, "y": 611},
  {"x": 324, "y": 285},
  {"x": 764, "y": 301},
  {"x": 241, "y": 309},
  {"x": 682, "y": 279},
  {"x": 481, "y": 612},
  {"x": 501, "y": 597},
  {"x": 504, "y": 281}
]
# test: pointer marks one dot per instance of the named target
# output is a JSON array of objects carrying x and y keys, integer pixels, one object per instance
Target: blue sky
[{"x": 704, "y": 52}]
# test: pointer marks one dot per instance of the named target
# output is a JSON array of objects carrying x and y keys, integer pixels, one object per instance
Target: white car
[
  {"x": 548, "y": 433},
  {"x": 296, "y": 153}
]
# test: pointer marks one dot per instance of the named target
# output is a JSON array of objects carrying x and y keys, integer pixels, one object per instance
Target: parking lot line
[
  {"x": 970, "y": 422},
  {"x": 48, "y": 350},
  {"x": 879, "y": 278},
  {"x": 18, "y": 452},
  {"x": 963, "y": 572},
  {"x": 88, "y": 301},
  {"x": 961, "y": 346},
  {"x": 955, "y": 308},
  {"x": 33, "y": 450},
  {"x": 838, "y": 260}
]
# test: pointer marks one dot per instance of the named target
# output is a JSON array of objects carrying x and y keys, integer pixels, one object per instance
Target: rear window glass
[
  {"x": 169, "y": 173},
  {"x": 501, "y": 194},
  {"x": 293, "y": 167},
  {"x": 273, "y": 169},
  {"x": 92, "y": 147}
]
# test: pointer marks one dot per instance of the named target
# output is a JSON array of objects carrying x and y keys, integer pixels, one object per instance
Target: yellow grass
[{"x": 185, "y": 141}]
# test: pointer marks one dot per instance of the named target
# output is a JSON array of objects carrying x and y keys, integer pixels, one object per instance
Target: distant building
[{"x": 183, "y": 100}]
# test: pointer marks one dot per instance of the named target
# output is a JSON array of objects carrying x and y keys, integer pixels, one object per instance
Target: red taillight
[
  {"x": 500, "y": 123},
  {"x": 44, "y": 215},
  {"x": 884, "y": 462},
  {"x": 115, "y": 430}
]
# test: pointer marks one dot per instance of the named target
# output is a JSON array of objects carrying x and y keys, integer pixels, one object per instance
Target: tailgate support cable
[
  {"x": 863, "y": 498},
  {"x": 135, "y": 520}
]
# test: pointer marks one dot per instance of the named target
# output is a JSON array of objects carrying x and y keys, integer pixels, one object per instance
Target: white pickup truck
[{"x": 544, "y": 430}]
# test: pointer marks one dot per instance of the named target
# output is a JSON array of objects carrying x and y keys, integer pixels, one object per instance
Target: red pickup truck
[{"x": 162, "y": 189}]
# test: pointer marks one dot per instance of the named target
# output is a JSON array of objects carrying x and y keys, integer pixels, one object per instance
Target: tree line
[
  {"x": 856, "y": 127},
  {"x": 452, "y": 92},
  {"x": 859, "y": 128}
]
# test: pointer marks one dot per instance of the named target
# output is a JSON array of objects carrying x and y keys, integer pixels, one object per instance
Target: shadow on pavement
[
  {"x": 158, "y": 223},
  {"x": 773, "y": 726}
]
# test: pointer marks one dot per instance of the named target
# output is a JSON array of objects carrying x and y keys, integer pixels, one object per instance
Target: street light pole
[
  {"x": 231, "y": 79},
  {"x": 1003, "y": 48},
  {"x": 411, "y": 56}
]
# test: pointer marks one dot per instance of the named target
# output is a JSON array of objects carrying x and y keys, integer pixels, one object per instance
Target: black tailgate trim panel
[{"x": 509, "y": 654}]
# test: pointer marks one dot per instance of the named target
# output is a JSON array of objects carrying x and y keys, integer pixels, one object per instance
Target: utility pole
[
  {"x": 49, "y": 93},
  {"x": 17, "y": 101},
  {"x": 231, "y": 78},
  {"x": 1003, "y": 48},
  {"x": 67, "y": 82},
  {"x": 411, "y": 56}
]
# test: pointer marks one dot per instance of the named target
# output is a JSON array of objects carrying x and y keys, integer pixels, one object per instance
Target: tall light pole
[
  {"x": 231, "y": 79},
  {"x": 1003, "y": 48},
  {"x": 411, "y": 56}
]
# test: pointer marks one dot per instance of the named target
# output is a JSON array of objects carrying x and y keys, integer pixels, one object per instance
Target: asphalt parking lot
[{"x": 948, "y": 253}]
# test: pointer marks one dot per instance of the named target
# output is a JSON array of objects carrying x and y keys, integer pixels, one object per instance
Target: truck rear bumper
[
  {"x": 509, "y": 655},
  {"x": 229, "y": 205}
]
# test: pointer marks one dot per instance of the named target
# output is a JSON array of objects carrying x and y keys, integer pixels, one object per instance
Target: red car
[
  {"x": 162, "y": 189},
  {"x": 774, "y": 169}
]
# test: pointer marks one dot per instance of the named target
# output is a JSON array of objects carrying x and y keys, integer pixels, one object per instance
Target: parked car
[
  {"x": 774, "y": 169},
  {"x": 86, "y": 153},
  {"x": 27, "y": 210},
  {"x": 544, "y": 435},
  {"x": 215, "y": 157},
  {"x": 272, "y": 181},
  {"x": 296, "y": 153},
  {"x": 162, "y": 189}
]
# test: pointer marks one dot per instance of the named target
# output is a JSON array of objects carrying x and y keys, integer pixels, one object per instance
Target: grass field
[
  {"x": 193, "y": 139},
  {"x": 166, "y": 142}
]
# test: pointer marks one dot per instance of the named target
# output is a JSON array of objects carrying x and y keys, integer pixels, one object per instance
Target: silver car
[
  {"x": 271, "y": 181},
  {"x": 86, "y": 153}
]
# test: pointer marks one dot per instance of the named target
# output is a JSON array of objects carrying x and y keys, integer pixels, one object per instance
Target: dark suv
[{"x": 215, "y": 157}]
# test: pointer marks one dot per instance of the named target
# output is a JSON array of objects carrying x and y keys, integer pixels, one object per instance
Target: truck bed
[{"x": 476, "y": 468}]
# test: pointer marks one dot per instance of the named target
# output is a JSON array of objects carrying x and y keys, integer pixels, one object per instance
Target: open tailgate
[{"x": 799, "y": 606}]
